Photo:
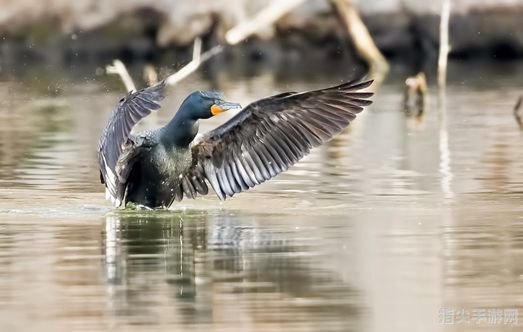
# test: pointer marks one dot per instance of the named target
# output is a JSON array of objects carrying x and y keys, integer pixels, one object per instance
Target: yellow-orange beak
[
  {"x": 215, "y": 109},
  {"x": 223, "y": 106}
]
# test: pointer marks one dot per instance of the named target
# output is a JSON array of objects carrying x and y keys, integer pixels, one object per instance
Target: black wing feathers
[
  {"x": 131, "y": 109},
  {"x": 272, "y": 134}
]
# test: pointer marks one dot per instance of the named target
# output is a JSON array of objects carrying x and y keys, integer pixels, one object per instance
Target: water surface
[{"x": 389, "y": 224}]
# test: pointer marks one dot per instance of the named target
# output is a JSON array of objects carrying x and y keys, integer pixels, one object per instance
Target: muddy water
[{"x": 397, "y": 225}]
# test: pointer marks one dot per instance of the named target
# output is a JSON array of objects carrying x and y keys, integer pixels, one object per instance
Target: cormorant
[{"x": 153, "y": 168}]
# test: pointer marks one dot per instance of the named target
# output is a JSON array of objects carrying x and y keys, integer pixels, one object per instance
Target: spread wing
[
  {"x": 115, "y": 151},
  {"x": 269, "y": 136}
]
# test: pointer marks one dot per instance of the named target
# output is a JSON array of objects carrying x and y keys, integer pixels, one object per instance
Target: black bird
[{"x": 153, "y": 168}]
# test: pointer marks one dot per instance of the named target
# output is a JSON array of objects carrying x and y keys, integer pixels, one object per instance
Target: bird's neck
[{"x": 180, "y": 131}]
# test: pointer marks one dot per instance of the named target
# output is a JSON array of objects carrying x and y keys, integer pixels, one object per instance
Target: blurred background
[{"x": 410, "y": 220}]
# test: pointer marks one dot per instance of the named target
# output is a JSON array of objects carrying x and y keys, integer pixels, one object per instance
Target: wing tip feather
[{"x": 354, "y": 85}]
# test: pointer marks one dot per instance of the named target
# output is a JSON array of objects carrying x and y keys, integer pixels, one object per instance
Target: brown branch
[{"x": 360, "y": 36}]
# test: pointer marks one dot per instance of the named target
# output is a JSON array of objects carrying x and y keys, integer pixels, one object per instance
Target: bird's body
[
  {"x": 155, "y": 168},
  {"x": 157, "y": 172}
]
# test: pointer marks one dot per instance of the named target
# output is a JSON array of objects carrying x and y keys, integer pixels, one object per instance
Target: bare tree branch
[
  {"x": 198, "y": 59},
  {"x": 265, "y": 17},
  {"x": 360, "y": 36},
  {"x": 119, "y": 68}
]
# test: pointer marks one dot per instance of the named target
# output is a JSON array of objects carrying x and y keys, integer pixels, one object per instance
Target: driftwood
[
  {"x": 360, "y": 36},
  {"x": 242, "y": 31},
  {"x": 348, "y": 14}
]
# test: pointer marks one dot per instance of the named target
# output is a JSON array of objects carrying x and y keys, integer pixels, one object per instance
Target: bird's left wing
[
  {"x": 269, "y": 136},
  {"x": 114, "y": 141}
]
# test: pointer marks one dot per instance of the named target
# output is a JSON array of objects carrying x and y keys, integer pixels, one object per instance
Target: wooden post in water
[
  {"x": 443, "y": 45},
  {"x": 517, "y": 115},
  {"x": 414, "y": 96},
  {"x": 444, "y": 147}
]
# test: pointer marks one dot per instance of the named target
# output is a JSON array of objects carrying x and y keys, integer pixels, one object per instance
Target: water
[{"x": 397, "y": 225}]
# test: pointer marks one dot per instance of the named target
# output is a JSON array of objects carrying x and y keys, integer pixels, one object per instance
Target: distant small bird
[{"x": 152, "y": 169}]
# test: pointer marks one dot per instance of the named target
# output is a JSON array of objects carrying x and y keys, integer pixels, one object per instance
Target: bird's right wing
[
  {"x": 268, "y": 136},
  {"x": 114, "y": 142}
]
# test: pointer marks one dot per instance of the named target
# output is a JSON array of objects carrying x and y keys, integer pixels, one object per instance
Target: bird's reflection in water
[{"x": 194, "y": 267}]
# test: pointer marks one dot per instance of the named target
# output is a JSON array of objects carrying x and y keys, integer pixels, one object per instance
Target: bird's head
[{"x": 206, "y": 104}]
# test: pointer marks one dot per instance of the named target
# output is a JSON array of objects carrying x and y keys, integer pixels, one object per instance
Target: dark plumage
[{"x": 154, "y": 168}]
